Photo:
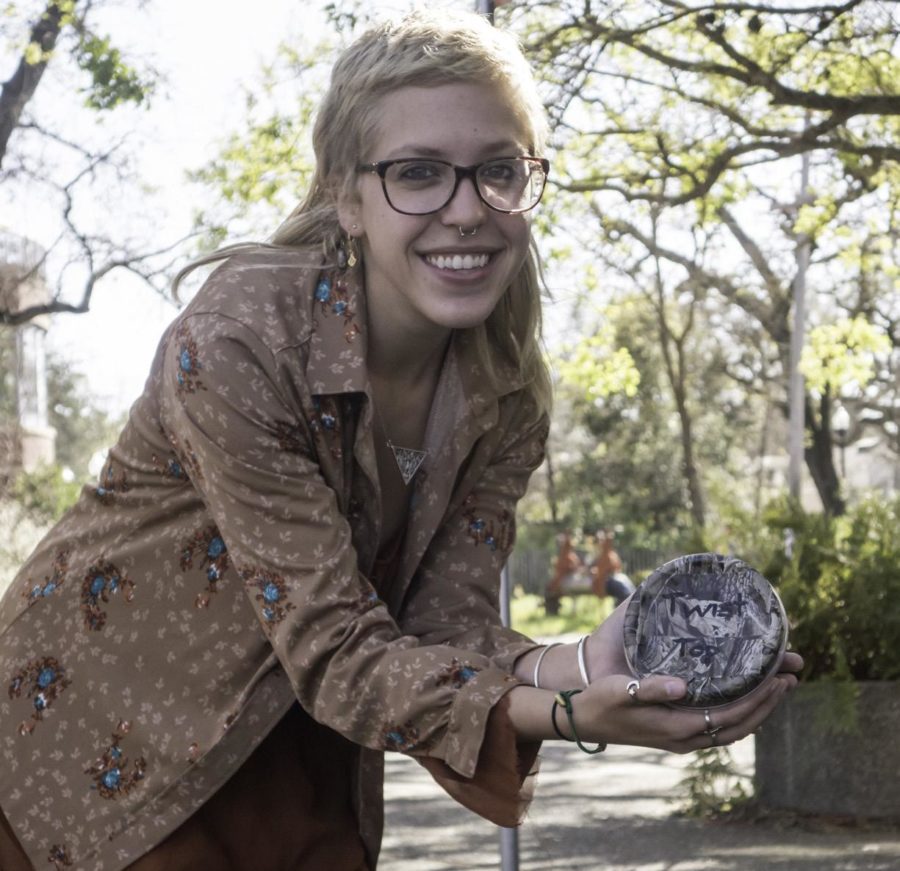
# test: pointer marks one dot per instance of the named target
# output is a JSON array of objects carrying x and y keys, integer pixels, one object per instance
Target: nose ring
[{"x": 463, "y": 232}]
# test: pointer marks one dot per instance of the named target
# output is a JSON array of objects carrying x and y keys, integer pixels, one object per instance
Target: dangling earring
[{"x": 347, "y": 254}]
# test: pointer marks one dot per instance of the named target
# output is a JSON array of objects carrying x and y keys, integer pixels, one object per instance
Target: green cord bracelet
[{"x": 564, "y": 700}]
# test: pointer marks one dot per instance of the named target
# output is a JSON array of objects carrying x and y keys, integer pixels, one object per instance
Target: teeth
[{"x": 459, "y": 261}]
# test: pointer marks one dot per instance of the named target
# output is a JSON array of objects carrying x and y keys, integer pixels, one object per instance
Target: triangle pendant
[{"x": 408, "y": 461}]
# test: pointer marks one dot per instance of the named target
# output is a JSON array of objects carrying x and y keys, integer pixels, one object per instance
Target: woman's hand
[
  {"x": 610, "y": 715},
  {"x": 605, "y": 651},
  {"x": 606, "y": 712}
]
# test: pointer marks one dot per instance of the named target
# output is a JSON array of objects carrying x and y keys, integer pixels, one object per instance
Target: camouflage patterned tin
[{"x": 710, "y": 619}]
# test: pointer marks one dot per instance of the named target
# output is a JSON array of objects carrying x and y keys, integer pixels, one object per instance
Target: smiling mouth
[{"x": 458, "y": 261}]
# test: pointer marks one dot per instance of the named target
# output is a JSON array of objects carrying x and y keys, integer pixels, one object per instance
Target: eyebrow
[{"x": 507, "y": 147}]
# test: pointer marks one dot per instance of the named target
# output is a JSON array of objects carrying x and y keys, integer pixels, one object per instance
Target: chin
[{"x": 465, "y": 320}]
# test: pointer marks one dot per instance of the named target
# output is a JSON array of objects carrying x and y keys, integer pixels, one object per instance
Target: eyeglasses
[{"x": 416, "y": 186}]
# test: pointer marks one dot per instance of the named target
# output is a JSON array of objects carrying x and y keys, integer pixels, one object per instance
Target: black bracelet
[{"x": 564, "y": 699}]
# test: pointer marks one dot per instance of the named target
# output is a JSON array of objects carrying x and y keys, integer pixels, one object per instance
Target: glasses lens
[
  {"x": 418, "y": 187},
  {"x": 513, "y": 184}
]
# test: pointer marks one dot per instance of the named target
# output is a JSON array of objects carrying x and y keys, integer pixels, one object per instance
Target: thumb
[{"x": 661, "y": 688}]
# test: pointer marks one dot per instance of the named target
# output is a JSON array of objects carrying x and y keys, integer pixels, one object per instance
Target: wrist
[
  {"x": 556, "y": 666},
  {"x": 563, "y": 704}
]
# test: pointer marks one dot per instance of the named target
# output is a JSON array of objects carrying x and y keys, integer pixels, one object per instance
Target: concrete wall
[{"x": 823, "y": 754}]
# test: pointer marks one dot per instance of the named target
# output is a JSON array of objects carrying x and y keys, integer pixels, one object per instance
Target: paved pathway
[{"x": 613, "y": 812}]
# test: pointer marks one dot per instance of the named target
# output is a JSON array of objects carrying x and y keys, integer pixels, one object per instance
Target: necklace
[{"x": 408, "y": 459}]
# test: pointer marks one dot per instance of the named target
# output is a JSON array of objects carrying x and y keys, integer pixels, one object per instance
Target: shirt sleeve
[
  {"x": 241, "y": 433},
  {"x": 454, "y": 600}
]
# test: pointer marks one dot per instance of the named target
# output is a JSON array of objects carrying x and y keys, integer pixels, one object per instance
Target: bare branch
[{"x": 136, "y": 264}]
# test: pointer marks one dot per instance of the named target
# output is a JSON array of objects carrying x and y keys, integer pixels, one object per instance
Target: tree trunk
[
  {"x": 819, "y": 455},
  {"x": 18, "y": 90}
]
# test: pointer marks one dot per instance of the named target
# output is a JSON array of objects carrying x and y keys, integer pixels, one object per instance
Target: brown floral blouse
[{"x": 222, "y": 569}]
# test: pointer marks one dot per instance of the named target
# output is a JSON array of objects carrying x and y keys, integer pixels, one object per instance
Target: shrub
[{"x": 841, "y": 589}]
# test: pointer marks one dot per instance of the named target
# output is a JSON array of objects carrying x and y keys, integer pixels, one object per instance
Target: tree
[
  {"x": 68, "y": 160},
  {"x": 31, "y": 501},
  {"x": 679, "y": 131},
  {"x": 683, "y": 124}
]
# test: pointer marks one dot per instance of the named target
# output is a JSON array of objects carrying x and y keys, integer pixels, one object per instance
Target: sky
[
  {"x": 206, "y": 57},
  {"x": 207, "y": 52}
]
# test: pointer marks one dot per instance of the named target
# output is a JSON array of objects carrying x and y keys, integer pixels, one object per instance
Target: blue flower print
[
  {"x": 323, "y": 290},
  {"x": 457, "y": 674},
  {"x": 101, "y": 581},
  {"x": 169, "y": 467},
  {"x": 400, "y": 738},
  {"x": 59, "y": 857},
  {"x": 211, "y": 545},
  {"x": 189, "y": 365},
  {"x": 51, "y": 582},
  {"x": 109, "y": 773},
  {"x": 327, "y": 421},
  {"x": 272, "y": 594},
  {"x": 45, "y": 679},
  {"x": 333, "y": 297},
  {"x": 112, "y": 481},
  {"x": 482, "y": 531}
]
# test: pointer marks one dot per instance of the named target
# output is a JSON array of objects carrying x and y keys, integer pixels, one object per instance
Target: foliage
[
  {"x": 261, "y": 171},
  {"x": 840, "y": 588},
  {"x": 82, "y": 429},
  {"x": 842, "y": 355},
  {"x": 45, "y": 493},
  {"x": 595, "y": 368},
  {"x": 577, "y": 615},
  {"x": 713, "y": 784},
  {"x": 620, "y": 456},
  {"x": 112, "y": 81},
  {"x": 681, "y": 132},
  {"x": 675, "y": 210},
  {"x": 64, "y": 156}
]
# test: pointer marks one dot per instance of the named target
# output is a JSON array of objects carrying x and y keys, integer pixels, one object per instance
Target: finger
[
  {"x": 655, "y": 689},
  {"x": 730, "y": 732},
  {"x": 696, "y": 727},
  {"x": 791, "y": 662}
]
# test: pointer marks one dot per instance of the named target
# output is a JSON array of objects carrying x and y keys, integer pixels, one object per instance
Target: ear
[{"x": 349, "y": 215}]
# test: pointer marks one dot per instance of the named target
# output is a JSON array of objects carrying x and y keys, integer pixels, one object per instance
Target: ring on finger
[
  {"x": 710, "y": 729},
  {"x": 632, "y": 688}
]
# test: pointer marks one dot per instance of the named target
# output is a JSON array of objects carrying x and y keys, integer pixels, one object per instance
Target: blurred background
[{"x": 721, "y": 238}]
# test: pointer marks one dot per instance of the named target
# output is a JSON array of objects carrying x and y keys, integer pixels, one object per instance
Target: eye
[
  {"x": 417, "y": 173},
  {"x": 498, "y": 172}
]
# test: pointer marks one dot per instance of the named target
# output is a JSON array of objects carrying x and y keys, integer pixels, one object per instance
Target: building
[{"x": 26, "y": 438}]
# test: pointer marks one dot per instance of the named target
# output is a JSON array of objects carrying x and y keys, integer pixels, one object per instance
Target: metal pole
[
  {"x": 485, "y": 7},
  {"x": 796, "y": 422},
  {"x": 509, "y": 838}
]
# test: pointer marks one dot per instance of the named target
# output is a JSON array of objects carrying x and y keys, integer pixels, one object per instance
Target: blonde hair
[{"x": 423, "y": 49}]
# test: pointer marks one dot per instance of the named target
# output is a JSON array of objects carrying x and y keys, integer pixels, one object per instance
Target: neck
[{"x": 398, "y": 360}]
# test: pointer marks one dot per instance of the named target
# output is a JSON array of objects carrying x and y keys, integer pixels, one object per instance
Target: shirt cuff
[{"x": 502, "y": 786}]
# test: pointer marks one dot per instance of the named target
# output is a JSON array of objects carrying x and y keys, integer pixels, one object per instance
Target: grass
[{"x": 577, "y": 615}]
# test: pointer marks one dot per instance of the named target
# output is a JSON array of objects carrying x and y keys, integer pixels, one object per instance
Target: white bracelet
[
  {"x": 540, "y": 659},
  {"x": 582, "y": 665}
]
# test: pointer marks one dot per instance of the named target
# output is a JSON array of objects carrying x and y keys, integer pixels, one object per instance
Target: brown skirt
[{"x": 287, "y": 808}]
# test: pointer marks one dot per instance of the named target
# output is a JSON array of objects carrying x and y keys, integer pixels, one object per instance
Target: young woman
[{"x": 290, "y": 564}]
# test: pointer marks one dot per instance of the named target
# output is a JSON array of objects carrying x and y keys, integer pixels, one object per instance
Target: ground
[{"x": 615, "y": 812}]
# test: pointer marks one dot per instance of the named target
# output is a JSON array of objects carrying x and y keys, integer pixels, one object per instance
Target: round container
[{"x": 711, "y": 620}]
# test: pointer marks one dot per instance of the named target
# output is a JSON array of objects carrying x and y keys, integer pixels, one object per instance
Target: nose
[{"x": 465, "y": 208}]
